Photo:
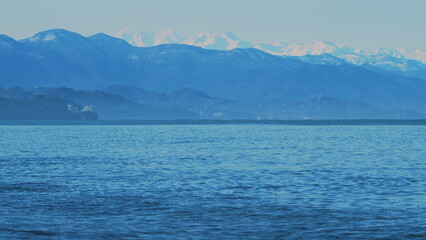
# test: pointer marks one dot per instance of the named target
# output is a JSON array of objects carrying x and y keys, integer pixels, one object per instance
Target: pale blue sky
[{"x": 357, "y": 23}]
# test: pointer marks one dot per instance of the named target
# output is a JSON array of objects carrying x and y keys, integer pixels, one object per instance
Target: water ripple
[{"x": 212, "y": 182}]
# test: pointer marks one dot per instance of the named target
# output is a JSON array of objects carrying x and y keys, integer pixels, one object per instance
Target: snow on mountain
[
  {"x": 303, "y": 49},
  {"x": 218, "y": 41},
  {"x": 9, "y": 46},
  {"x": 209, "y": 40},
  {"x": 324, "y": 59},
  {"x": 272, "y": 48},
  {"x": 7, "y": 43},
  {"x": 380, "y": 52},
  {"x": 383, "y": 58},
  {"x": 245, "y": 75},
  {"x": 149, "y": 39},
  {"x": 401, "y": 60},
  {"x": 228, "y": 41},
  {"x": 136, "y": 38},
  {"x": 351, "y": 55},
  {"x": 166, "y": 37},
  {"x": 417, "y": 54},
  {"x": 55, "y": 35}
]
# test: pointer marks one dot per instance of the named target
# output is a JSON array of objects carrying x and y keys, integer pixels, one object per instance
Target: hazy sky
[{"x": 357, "y": 23}]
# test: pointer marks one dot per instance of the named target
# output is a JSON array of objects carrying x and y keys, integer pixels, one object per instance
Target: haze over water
[{"x": 237, "y": 181}]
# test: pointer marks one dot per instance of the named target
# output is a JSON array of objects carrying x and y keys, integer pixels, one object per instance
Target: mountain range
[
  {"x": 232, "y": 81},
  {"x": 228, "y": 41},
  {"x": 120, "y": 102},
  {"x": 17, "y": 104},
  {"x": 410, "y": 62}
]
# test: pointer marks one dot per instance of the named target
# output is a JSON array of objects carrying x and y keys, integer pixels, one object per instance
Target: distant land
[
  {"x": 229, "y": 41},
  {"x": 177, "y": 81},
  {"x": 120, "y": 102},
  {"x": 383, "y": 58},
  {"x": 18, "y": 105}
]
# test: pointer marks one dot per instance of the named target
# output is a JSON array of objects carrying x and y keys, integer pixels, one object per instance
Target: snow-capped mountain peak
[
  {"x": 148, "y": 39},
  {"x": 54, "y": 35},
  {"x": 220, "y": 41},
  {"x": 316, "y": 48},
  {"x": 136, "y": 38},
  {"x": 228, "y": 41},
  {"x": 417, "y": 54},
  {"x": 166, "y": 37}
]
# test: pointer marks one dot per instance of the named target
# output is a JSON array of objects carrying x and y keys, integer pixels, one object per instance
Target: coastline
[{"x": 331, "y": 122}]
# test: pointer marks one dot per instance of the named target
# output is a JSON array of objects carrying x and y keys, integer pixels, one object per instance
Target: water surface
[{"x": 212, "y": 181}]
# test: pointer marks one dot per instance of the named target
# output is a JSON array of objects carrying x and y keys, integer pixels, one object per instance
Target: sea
[{"x": 213, "y": 180}]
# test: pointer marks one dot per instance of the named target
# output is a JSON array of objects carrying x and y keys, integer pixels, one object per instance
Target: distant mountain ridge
[
  {"x": 228, "y": 41},
  {"x": 17, "y": 104},
  {"x": 129, "y": 102},
  {"x": 57, "y": 58},
  {"x": 197, "y": 102},
  {"x": 208, "y": 107},
  {"x": 406, "y": 60}
]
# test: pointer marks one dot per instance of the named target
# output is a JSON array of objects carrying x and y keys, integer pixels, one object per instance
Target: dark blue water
[{"x": 235, "y": 181}]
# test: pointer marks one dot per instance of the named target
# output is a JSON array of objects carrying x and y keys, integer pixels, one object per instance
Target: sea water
[{"x": 212, "y": 181}]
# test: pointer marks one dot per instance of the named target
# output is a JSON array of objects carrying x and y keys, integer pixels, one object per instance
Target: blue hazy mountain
[
  {"x": 58, "y": 57},
  {"x": 41, "y": 108},
  {"x": 325, "y": 59},
  {"x": 404, "y": 61},
  {"x": 129, "y": 102},
  {"x": 208, "y": 107},
  {"x": 66, "y": 103},
  {"x": 110, "y": 106},
  {"x": 323, "y": 107},
  {"x": 17, "y": 104},
  {"x": 197, "y": 102}
]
